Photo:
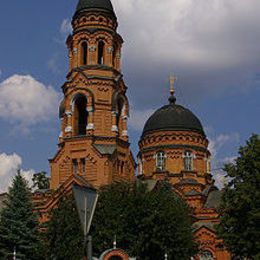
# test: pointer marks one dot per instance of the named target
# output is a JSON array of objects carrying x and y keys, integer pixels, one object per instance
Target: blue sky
[{"x": 212, "y": 46}]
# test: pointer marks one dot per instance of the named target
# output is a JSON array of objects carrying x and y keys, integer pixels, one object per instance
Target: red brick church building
[{"x": 94, "y": 148}]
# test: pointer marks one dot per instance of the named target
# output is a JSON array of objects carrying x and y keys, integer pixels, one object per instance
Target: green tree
[
  {"x": 240, "y": 220},
  {"x": 147, "y": 224},
  {"x": 18, "y": 223},
  {"x": 41, "y": 181},
  {"x": 64, "y": 235}
]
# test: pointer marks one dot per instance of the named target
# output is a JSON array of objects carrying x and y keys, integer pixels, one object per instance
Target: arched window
[
  {"x": 160, "y": 161},
  {"x": 208, "y": 161},
  {"x": 84, "y": 53},
  {"x": 115, "y": 258},
  {"x": 206, "y": 255},
  {"x": 101, "y": 47},
  {"x": 140, "y": 164},
  {"x": 119, "y": 110},
  {"x": 80, "y": 115},
  {"x": 188, "y": 161},
  {"x": 114, "y": 56}
]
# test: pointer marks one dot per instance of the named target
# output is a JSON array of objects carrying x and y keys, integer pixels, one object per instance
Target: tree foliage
[
  {"x": 41, "y": 181},
  {"x": 240, "y": 220},
  {"x": 147, "y": 224},
  {"x": 64, "y": 237},
  {"x": 18, "y": 223}
]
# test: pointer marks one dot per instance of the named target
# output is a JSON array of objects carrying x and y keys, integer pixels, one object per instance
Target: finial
[{"x": 172, "y": 98}]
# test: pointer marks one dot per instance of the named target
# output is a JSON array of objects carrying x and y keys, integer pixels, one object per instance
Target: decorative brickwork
[
  {"x": 93, "y": 147},
  {"x": 95, "y": 108}
]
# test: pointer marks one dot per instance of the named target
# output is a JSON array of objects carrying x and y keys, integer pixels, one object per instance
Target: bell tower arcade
[{"x": 93, "y": 142}]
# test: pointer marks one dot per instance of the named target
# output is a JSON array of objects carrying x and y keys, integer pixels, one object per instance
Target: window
[
  {"x": 188, "y": 161},
  {"x": 75, "y": 166},
  {"x": 140, "y": 165},
  {"x": 115, "y": 258},
  {"x": 83, "y": 166},
  {"x": 80, "y": 115},
  {"x": 120, "y": 106},
  {"x": 206, "y": 255},
  {"x": 208, "y": 165},
  {"x": 84, "y": 53},
  {"x": 101, "y": 46},
  {"x": 160, "y": 161}
]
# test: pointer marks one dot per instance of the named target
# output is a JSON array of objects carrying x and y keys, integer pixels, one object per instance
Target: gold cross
[{"x": 172, "y": 79}]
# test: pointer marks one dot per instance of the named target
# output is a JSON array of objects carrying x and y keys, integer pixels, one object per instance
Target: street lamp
[{"x": 86, "y": 201}]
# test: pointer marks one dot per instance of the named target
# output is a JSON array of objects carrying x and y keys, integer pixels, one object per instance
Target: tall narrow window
[
  {"x": 140, "y": 165},
  {"x": 160, "y": 161},
  {"x": 120, "y": 105},
  {"x": 80, "y": 115},
  {"x": 208, "y": 165},
  {"x": 83, "y": 166},
  {"x": 84, "y": 53},
  {"x": 75, "y": 166},
  {"x": 101, "y": 47},
  {"x": 188, "y": 161},
  {"x": 114, "y": 56}
]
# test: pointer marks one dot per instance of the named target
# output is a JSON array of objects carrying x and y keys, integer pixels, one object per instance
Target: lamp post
[{"x": 86, "y": 201}]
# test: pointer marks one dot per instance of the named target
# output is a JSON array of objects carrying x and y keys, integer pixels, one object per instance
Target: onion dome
[
  {"x": 103, "y": 5},
  {"x": 173, "y": 117}
]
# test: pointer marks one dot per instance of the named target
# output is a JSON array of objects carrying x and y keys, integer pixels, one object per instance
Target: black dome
[
  {"x": 173, "y": 117},
  {"x": 105, "y": 5}
]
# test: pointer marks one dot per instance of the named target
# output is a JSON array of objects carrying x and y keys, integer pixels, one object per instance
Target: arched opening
[
  {"x": 160, "y": 161},
  {"x": 80, "y": 115},
  {"x": 115, "y": 257},
  {"x": 119, "y": 110},
  {"x": 101, "y": 47},
  {"x": 206, "y": 255},
  {"x": 84, "y": 53},
  {"x": 114, "y": 56}
]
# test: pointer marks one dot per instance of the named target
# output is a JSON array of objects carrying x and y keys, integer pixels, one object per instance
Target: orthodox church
[{"x": 94, "y": 149}]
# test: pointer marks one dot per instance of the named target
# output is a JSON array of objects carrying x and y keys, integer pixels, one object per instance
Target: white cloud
[
  {"x": 27, "y": 101},
  {"x": 66, "y": 27},
  {"x": 210, "y": 45},
  {"x": 219, "y": 175},
  {"x": 9, "y": 164},
  {"x": 212, "y": 33},
  {"x": 216, "y": 144},
  {"x": 53, "y": 64},
  {"x": 138, "y": 118}
]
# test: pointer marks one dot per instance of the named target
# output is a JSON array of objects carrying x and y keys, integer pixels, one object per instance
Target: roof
[
  {"x": 173, "y": 117},
  {"x": 188, "y": 181},
  {"x": 213, "y": 200},
  {"x": 209, "y": 225},
  {"x": 192, "y": 193},
  {"x": 105, "y": 149},
  {"x": 104, "y": 5}
]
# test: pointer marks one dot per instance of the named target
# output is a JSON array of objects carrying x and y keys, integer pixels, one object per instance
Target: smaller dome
[
  {"x": 173, "y": 117},
  {"x": 104, "y": 5}
]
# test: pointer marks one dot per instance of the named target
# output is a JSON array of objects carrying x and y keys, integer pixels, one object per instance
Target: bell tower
[{"x": 93, "y": 142}]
